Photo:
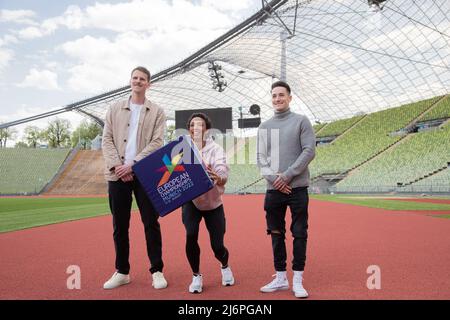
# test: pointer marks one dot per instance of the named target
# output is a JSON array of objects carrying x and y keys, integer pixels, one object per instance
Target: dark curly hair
[{"x": 200, "y": 115}]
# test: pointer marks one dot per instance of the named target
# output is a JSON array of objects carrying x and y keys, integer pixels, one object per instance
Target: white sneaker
[
  {"x": 197, "y": 284},
  {"x": 297, "y": 285},
  {"x": 158, "y": 280},
  {"x": 117, "y": 280},
  {"x": 279, "y": 283},
  {"x": 227, "y": 277}
]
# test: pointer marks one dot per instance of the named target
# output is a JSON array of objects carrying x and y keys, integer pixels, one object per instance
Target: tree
[
  {"x": 5, "y": 134},
  {"x": 85, "y": 133},
  {"x": 57, "y": 133},
  {"x": 33, "y": 135},
  {"x": 170, "y": 132},
  {"x": 21, "y": 144}
]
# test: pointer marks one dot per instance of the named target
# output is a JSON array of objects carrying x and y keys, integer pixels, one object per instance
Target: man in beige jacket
[{"x": 133, "y": 129}]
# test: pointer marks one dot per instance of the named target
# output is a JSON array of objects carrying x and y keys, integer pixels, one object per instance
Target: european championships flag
[{"x": 173, "y": 175}]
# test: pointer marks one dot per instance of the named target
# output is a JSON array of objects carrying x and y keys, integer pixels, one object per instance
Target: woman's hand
[{"x": 214, "y": 176}]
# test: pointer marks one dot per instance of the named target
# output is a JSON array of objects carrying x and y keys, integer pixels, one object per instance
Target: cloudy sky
[{"x": 53, "y": 53}]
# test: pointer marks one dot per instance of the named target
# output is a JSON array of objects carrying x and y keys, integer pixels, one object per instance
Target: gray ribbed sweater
[{"x": 286, "y": 145}]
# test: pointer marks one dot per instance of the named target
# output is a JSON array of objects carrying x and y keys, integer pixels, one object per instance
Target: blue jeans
[{"x": 275, "y": 205}]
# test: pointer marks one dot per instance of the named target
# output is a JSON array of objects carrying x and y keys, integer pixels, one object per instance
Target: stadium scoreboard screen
[{"x": 221, "y": 118}]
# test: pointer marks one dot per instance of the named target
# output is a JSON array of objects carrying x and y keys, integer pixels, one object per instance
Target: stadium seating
[
  {"x": 416, "y": 156},
  {"x": 27, "y": 171},
  {"x": 369, "y": 137},
  {"x": 366, "y": 137},
  {"x": 372, "y": 153},
  {"x": 244, "y": 173},
  {"x": 439, "y": 182},
  {"x": 338, "y": 127},
  {"x": 83, "y": 175},
  {"x": 318, "y": 127},
  {"x": 245, "y": 176},
  {"x": 440, "y": 111}
]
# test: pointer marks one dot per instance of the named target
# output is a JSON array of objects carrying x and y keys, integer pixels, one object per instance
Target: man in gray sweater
[{"x": 286, "y": 146}]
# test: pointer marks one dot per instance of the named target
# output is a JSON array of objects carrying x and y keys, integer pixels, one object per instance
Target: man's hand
[
  {"x": 123, "y": 170},
  {"x": 127, "y": 178},
  {"x": 287, "y": 190},
  {"x": 281, "y": 186}
]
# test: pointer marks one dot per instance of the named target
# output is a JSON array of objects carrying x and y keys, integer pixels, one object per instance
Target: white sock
[
  {"x": 281, "y": 274},
  {"x": 298, "y": 274}
]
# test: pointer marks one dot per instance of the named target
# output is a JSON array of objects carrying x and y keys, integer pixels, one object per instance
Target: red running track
[{"x": 412, "y": 251}]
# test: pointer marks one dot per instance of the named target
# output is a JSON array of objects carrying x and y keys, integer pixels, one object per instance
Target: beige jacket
[{"x": 150, "y": 134}]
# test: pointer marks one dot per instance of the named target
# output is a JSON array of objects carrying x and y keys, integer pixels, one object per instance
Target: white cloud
[
  {"x": 145, "y": 36},
  {"x": 99, "y": 64},
  {"x": 156, "y": 34},
  {"x": 139, "y": 15},
  {"x": 103, "y": 64},
  {"x": 409, "y": 39},
  {"x": 45, "y": 80},
  {"x": 229, "y": 5},
  {"x": 53, "y": 65},
  {"x": 157, "y": 15},
  {"x": 44, "y": 29},
  {"x": 30, "y": 33},
  {"x": 73, "y": 18},
  {"x": 22, "y": 111},
  {"x": 18, "y": 16},
  {"x": 6, "y": 56},
  {"x": 7, "y": 39}
]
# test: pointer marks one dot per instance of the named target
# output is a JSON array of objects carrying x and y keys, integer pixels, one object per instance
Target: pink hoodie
[{"x": 214, "y": 156}]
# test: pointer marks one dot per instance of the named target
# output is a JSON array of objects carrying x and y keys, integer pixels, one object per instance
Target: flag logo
[{"x": 169, "y": 167}]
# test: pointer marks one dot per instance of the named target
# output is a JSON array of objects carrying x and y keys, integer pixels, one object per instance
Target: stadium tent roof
[{"x": 341, "y": 58}]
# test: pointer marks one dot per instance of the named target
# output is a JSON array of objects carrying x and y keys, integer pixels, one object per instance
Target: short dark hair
[
  {"x": 207, "y": 120},
  {"x": 282, "y": 84},
  {"x": 142, "y": 69}
]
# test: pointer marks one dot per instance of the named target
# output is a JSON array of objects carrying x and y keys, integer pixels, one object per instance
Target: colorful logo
[{"x": 170, "y": 166}]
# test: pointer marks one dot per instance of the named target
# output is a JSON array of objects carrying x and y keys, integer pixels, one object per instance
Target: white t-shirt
[{"x": 130, "y": 150}]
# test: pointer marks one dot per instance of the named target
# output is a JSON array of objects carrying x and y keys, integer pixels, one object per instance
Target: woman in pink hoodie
[{"x": 208, "y": 206}]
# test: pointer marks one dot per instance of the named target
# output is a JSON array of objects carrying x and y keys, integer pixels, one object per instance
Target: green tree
[
  {"x": 170, "y": 132},
  {"x": 57, "y": 133},
  {"x": 85, "y": 133},
  {"x": 33, "y": 135},
  {"x": 5, "y": 134},
  {"x": 21, "y": 144}
]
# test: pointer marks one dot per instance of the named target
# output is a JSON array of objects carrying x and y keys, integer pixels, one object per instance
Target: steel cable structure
[{"x": 341, "y": 58}]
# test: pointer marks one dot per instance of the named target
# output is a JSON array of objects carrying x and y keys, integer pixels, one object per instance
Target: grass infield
[
  {"x": 22, "y": 213},
  {"x": 383, "y": 203}
]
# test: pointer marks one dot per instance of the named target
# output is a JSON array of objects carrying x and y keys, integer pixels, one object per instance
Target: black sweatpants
[{"x": 215, "y": 223}]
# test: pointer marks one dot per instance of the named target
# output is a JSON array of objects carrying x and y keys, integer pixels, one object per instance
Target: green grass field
[
  {"x": 22, "y": 213},
  {"x": 445, "y": 216},
  {"x": 379, "y": 203}
]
